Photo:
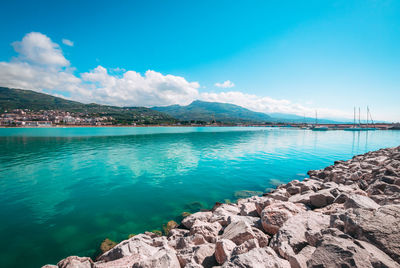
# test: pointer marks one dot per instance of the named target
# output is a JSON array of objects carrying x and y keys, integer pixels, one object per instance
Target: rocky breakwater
[{"x": 346, "y": 215}]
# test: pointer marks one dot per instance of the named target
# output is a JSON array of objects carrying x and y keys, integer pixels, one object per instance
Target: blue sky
[{"x": 279, "y": 56}]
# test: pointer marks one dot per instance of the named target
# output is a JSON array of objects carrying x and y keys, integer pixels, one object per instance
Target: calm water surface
[{"x": 63, "y": 190}]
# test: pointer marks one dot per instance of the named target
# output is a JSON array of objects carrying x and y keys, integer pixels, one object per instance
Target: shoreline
[
  {"x": 126, "y": 126},
  {"x": 352, "y": 206},
  {"x": 335, "y": 128}
]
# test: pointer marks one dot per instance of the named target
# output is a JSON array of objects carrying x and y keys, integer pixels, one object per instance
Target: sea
[{"x": 64, "y": 190}]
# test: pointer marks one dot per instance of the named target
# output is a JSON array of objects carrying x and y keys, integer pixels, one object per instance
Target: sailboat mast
[
  {"x": 354, "y": 123},
  {"x": 316, "y": 117},
  {"x": 370, "y": 115},
  {"x": 359, "y": 116},
  {"x": 367, "y": 115}
]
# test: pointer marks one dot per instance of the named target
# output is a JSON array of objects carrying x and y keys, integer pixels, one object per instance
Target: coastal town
[
  {"x": 46, "y": 118},
  {"x": 54, "y": 118}
]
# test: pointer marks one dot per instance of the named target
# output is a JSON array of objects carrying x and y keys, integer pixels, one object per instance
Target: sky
[{"x": 268, "y": 56}]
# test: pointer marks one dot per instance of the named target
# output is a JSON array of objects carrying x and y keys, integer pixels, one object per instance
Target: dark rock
[{"x": 321, "y": 198}]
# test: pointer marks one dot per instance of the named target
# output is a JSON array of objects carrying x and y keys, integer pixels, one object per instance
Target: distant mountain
[
  {"x": 11, "y": 98},
  {"x": 209, "y": 111},
  {"x": 230, "y": 113},
  {"x": 293, "y": 118},
  {"x": 196, "y": 111}
]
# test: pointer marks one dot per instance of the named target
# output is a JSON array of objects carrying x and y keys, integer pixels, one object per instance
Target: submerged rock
[
  {"x": 195, "y": 206},
  {"x": 246, "y": 193},
  {"x": 106, "y": 245},
  {"x": 169, "y": 226}
]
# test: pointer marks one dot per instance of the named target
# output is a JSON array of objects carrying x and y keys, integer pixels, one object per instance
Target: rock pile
[{"x": 346, "y": 215}]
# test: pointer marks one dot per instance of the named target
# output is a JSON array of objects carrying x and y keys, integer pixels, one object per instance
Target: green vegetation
[
  {"x": 106, "y": 245},
  {"x": 169, "y": 226},
  {"x": 185, "y": 214},
  {"x": 157, "y": 232},
  {"x": 202, "y": 111},
  {"x": 131, "y": 235},
  {"x": 26, "y": 99},
  {"x": 198, "y": 112}
]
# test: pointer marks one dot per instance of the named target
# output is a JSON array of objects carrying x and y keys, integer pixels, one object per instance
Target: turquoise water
[{"x": 63, "y": 190}]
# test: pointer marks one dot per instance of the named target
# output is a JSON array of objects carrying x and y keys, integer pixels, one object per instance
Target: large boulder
[
  {"x": 291, "y": 237},
  {"x": 257, "y": 257},
  {"x": 202, "y": 254},
  {"x": 222, "y": 213},
  {"x": 303, "y": 198},
  {"x": 135, "y": 248},
  {"x": 248, "y": 209},
  {"x": 189, "y": 241},
  {"x": 279, "y": 194},
  {"x": 253, "y": 221},
  {"x": 342, "y": 251},
  {"x": 208, "y": 230},
  {"x": 262, "y": 238},
  {"x": 175, "y": 234},
  {"x": 379, "y": 227},
  {"x": 300, "y": 259},
  {"x": 76, "y": 262},
  {"x": 245, "y": 247},
  {"x": 359, "y": 201},
  {"x": 162, "y": 258},
  {"x": 321, "y": 198},
  {"x": 198, "y": 216},
  {"x": 223, "y": 250},
  {"x": 238, "y": 232},
  {"x": 274, "y": 215}
]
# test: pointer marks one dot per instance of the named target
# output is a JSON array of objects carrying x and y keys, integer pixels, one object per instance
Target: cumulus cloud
[
  {"x": 37, "y": 48},
  {"x": 67, "y": 42},
  {"x": 226, "y": 84},
  {"x": 267, "y": 104},
  {"x": 134, "y": 89},
  {"x": 40, "y": 65}
]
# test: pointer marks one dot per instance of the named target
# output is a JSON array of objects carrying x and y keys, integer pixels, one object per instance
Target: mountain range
[
  {"x": 230, "y": 113},
  {"x": 199, "y": 111},
  {"x": 213, "y": 111},
  {"x": 11, "y": 98}
]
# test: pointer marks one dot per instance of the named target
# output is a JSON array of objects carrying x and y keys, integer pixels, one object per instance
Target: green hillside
[
  {"x": 27, "y": 99},
  {"x": 209, "y": 111}
]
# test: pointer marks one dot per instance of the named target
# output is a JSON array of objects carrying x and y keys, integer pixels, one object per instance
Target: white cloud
[
  {"x": 226, "y": 84},
  {"x": 133, "y": 89},
  {"x": 67, "y": 42},
  {"x": 41, "y": 66},
  {"x": 37, "y": 48},
  {"x": 267, "y": 104}
]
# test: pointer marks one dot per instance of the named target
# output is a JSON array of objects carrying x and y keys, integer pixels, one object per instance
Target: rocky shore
[{"x": 346, "y": 215}]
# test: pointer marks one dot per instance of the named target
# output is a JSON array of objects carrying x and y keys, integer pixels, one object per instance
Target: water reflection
[{"x": 70, "y": 190}]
